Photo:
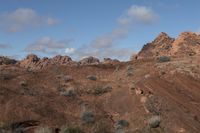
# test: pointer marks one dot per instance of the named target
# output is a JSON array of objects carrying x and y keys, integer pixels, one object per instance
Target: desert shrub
[
  {"x": 70, "y": 92},
  {"x": 2, "y": 127},
  {"x": 153, "y": 105},
  {"x": 132, "y": 86},
  {"x": 120, "y": 131},
  {"x": 67, "y": 78},
  {"x": 99, "y": 89},
  {"x": 102, "y": 126},
  {"x": 23, "y": 83},
  {"x": 87, "y": 117},
  {"x": 129, "y": 70},
  {"x": 92, "y": 77},
  {"x": 163, "y": 59},
  {"x": 154, "y": 121},
  {"x": 43, "y": 130},
  {"x": 5, "y": 76},
  {"x": 71, "y": 130},
  {"x": 122, "y": 123}
]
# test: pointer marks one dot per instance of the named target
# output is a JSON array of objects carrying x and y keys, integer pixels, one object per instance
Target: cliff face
[{"x": 187, "y": 43}]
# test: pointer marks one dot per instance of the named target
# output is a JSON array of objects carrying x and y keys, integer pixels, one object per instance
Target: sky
[{"x": 99, "y": 28}]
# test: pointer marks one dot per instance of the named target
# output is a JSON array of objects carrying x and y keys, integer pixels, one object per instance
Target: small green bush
[
  {"x": 92, "y": 77},
  {"x": 122, "y": 124},
  {"x": 71, "y": 130},
  {"x": 163, "y": 59},
  {"x": 87, "y": 117},
  {"x": 154, "y": 121},
  {"x": 99, "y": 89},
  {"x": 68, "y": 93},
  {"x": 43, "y": 130},
  {"x": 129, "y": 70},
  {"x": 23, "y": 83}
]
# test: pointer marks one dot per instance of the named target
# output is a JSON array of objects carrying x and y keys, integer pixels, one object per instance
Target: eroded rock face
[
  {"x": 6, "y": 61},
  {"x": 35, "y": 63},
  {"x": 187, "y": 43},
  {"x": 110, "y": 61},
  {"x": 160, "y": 46},
  {"x": 89, "y": 61},
  {"x": 62, "y": 60}
]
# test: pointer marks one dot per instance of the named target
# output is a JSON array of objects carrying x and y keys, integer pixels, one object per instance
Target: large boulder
[
  {"x": 62, "y": 60},
  {"x": 89, "y": 61}
]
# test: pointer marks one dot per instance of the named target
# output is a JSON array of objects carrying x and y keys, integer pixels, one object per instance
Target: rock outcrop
[
  {"x": 6, "y": 61},
  {"x": 187, "y": 43},
  {"x": 34, "y": 62},
  {"x": 110, "y": 61},
  {"x": 89, "y": 61}
]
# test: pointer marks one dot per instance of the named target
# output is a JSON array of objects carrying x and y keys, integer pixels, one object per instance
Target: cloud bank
[
  {"x": 24, "y": 18},
  {"x": 48, "y": 45}
]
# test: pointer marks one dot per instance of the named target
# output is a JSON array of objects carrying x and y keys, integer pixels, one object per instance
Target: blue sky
[{"x": 100, "y": 28}]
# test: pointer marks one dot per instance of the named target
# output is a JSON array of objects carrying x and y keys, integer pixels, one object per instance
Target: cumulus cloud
[
  {"x": 105, "y": 45},
  {"x": 69, "y": 50},
  {"x": 133, "y": 15},
  {"x": 141, "y": 13},
  {"x": 49, "y": 45},
  {"x": 24, "y": 18},
  {"x": 4, "y": 46}
]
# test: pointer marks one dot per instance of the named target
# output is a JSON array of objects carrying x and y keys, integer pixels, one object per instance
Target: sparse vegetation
[
  {"x": 92, "y": 77},
  {"x": 70, "y": 92},
  {"x": 87, "y": 117},
  {"x": 154, "y": 121},
  {"x": 122, "y": 123},
  {"x": 163, "y": 59},
  {"x": 129, "y": 70},
  {"x": 71, "y": 130},
  {"x": 43, "y": 130},
  {"x": 99, "y": 89},
  {"x": 5, "y": 76},
  {"x": 132, "y": 86},
  {"x": 102, "y": 126},
  {"x": 153, "y": 105},
  {"x": 23, "y": 83}
]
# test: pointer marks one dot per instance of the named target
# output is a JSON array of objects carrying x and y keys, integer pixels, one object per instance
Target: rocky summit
[{"x": 187, "y": 43}]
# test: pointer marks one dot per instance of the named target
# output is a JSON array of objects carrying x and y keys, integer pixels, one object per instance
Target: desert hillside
[{"x": 158, "y": 91}]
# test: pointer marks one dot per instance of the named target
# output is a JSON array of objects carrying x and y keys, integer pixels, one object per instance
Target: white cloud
[
  {"x": 105, "y": 45},
  {"x": 49, "y": 45},
  {"x": 23, "y": 18},
  {"x": 69, "y": 50},
  {"x": 141, "y": 13}
]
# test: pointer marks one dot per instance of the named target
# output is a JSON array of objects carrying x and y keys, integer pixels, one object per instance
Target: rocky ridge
[{"x": 187, "y": 43}]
